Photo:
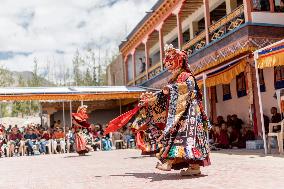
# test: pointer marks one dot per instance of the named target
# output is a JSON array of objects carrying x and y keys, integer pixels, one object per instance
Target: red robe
[{"x": 80, "y": 141}]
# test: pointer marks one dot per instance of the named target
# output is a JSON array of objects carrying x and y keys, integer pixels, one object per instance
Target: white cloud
[{"x": 46, "y": 28}]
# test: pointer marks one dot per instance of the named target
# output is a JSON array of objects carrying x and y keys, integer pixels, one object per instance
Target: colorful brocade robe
[{"x": 182, "y": 120}]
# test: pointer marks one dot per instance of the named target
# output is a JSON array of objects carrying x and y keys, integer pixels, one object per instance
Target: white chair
[
  {"x": 48, "y": 146},
  {"x": 117, "y": 140},
  {"x": 279, "y": 136}
]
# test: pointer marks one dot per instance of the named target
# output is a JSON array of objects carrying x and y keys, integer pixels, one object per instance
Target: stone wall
[{"x": 115, "y": 72}]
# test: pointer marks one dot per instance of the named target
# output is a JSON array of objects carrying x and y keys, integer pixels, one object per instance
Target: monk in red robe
[{"x": 80, "y": 123}]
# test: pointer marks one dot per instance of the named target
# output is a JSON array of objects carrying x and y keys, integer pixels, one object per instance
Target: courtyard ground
[{"x": 127, "y": 169}]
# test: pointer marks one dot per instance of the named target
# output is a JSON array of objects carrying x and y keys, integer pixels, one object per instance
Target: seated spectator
[
  {"x": 96, "y": 136},
  {"x": 127, "y": 136},
  {"x": 106, "y": 142},
  {"x": 276, "y": 118},
  {"x": 30, "y": 140},
  {"x": 14, "y": 141},
  {"x": 45, "y": 137},
  {"x": 246, "y": 134},
  {"x": 229, "y": 121},
  {"x": 220, "y": 121},
  {"x": 8, "y": 130},
  {"x": 233, "y": 137},
  {"x": 58, "y": 139},
  {"x": 70, "y": 140},
  {"x": 237, "y": 123},
  {"x": 223, "y": 140},
  {"x": 57, "y": 124},
  {"x": 2, "y": 129}
]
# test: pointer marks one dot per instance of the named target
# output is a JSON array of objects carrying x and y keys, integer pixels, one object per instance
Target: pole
[
  {"x": 260, "y": 107},
  {"x": 70, "y": 112},
  {"x": 205, "y": 101},
  {"x": 40, "y": 109},
  {"x": 82, "y": 102},
  {"x": 0, "y": 111},
  {"x": 63, "y": 115},
  {"x": 119, "y": 106}
]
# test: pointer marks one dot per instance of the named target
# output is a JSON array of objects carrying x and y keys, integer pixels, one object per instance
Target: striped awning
[
  {"x": 70, "y": 93},
  {"x": 226, "y": 74},
  {"x": 271, "y": 56}
]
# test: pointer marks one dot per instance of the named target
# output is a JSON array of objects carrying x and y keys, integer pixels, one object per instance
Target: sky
[{"x": 52, "y": 30}]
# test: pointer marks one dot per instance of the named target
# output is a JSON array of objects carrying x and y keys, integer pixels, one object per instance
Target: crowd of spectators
[
  {"x": 230, "y": 133},
  {"x": 35, "y": 139}
]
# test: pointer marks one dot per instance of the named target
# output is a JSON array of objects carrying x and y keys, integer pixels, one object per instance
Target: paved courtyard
[{"x": 128, "y": 170}]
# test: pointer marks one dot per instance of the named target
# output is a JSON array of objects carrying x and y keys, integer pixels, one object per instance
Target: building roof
[
  {"x": 144, "y": 19},
  {"x": 71, "y": 93}
]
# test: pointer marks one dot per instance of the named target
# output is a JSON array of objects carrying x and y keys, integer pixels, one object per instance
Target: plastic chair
[{"x": 279, "y": 136}]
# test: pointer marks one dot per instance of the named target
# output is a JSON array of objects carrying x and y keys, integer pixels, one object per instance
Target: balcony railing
[
  {"x": 227, "y": 23},
  {"x": 154, "y": 70},
  {"x": 196, "y": 43},
  {"x": 141, "y": 78},
  {"x": 217, "y": 30}
]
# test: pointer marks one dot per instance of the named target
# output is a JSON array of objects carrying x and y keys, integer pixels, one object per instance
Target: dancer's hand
[{"x": 144, "y": 98}]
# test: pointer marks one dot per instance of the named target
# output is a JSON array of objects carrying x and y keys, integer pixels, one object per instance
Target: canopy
[
  {"x": 225, "y": 74},
  {"x": 270, "y": 56},
  {"x": 70, "y": 93}
]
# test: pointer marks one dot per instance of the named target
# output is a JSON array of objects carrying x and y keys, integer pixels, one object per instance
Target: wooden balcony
[
  {"x": 227, "y": 24},
  {"x": 154, "y": 70},
  {"x": 216, "y": 30},
  {"x": 141, "y": 78}
]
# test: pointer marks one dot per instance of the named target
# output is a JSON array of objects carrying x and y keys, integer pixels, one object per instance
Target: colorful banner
[{"x": 273, "y": 56}]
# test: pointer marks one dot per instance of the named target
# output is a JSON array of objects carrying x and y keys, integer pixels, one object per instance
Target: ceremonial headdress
[
  {"x": 175, "y": 58},
  {"x": 80, "y": 115}
]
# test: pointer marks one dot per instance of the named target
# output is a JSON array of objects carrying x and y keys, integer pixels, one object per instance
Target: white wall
[
  {"x": 129, "y": 68},
  {"x": 267, "y": 17},
  {"x": 238, "y": 106},
  {"x": 268, "y": 100}
]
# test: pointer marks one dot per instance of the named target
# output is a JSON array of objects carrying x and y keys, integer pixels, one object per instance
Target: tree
[
  {"x": 36, "y": 80},
  {"x": 77, "y": 63},
  {"x": 6, "y": 78},
  {"x": 88, "y": 80}
]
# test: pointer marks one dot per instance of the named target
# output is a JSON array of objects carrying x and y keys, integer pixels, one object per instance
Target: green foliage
[
  {"x": 88, "y": 70},
  {"x": 6, "y": 78}
]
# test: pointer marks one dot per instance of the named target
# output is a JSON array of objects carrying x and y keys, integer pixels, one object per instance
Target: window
[
  {"x": 279, "y": 77},
  {"x": 260, "y": 5},
  {"x": 261, "y": 80},
  {"x": 226, "y": 92},
  {"x": 241, "y": 85},
  {"x": 279, "y": 5}
]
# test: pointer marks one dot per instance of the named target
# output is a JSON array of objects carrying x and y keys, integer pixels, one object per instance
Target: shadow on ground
[
  {"x": 154, "y": 177},
  {"x": 259, "y": 153},
  {"x": 138, "y": 157},
  {"x": 76, "y": 156}
]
